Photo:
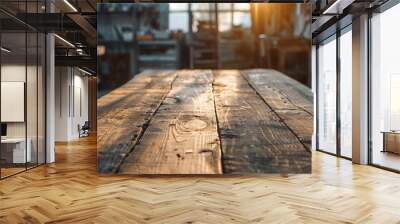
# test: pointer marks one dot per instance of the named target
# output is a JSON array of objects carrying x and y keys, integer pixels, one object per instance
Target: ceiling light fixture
[
  {"x": 337, "y": 7},
  {"x": 65, "y": 41},
  {"x": 333, "y": 6},
  {"x": 5, "y": 50},
  {"x": 84, "y": 71},
  {"x": 70, "y": 5}
]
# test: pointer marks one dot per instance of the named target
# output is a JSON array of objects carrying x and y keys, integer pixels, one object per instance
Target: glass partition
[
  {"x": 346, "y": 93},
  {"x": 327, "y": 96},
  {"x": 385, "y": 89},
  {"x": 13, "y": 94},
  {"x": 22, "y": 91},
  {"x": 31, "y": 98}
]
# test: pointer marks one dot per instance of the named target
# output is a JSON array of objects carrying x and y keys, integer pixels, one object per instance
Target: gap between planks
[
  {"x": 130, "y": 104},
  {"x": 146, "y": 124},
  {"x": 182, "y": 137},
  {"x": 275, "y": 112},
  {"x": 217, "y": 119},
  {"x": 291, "y": 100},
  {"x": 254, "y": 139}
]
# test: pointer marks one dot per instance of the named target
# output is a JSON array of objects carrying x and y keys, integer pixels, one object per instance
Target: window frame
[{"x": 333, "y": 37}]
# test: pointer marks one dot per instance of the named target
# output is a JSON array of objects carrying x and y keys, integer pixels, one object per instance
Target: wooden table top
[{"x": 206, "y": 122}]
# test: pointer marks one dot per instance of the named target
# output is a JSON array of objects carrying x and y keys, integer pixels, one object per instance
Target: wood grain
[
  {"x": 291, "y": 100},
  {"x": 71, "y": 191},
  {"x": 124, "y": 113},
  {"x": 182, "y": 136},
  {"x": 253, "y": 138},
  {"x": 174, "y": 123}
]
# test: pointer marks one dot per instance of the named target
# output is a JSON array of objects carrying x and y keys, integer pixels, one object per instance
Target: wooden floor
[
  {"x": 71, "y": 191},
  {"x": 386, "y": 159},
  {"x": 5, "y": 172},
  {"x": 206, "y": 122}
]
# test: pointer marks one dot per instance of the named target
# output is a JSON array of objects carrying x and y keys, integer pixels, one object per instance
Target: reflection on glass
[
  {"x": 327, "y": 97},
  {"x": 385, "y": 114},
  {"x": 346, "y": 94}
]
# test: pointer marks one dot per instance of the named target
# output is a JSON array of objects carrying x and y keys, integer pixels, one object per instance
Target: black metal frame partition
[
  {"x": 36, "y": 33},
  {"x": 339, "y": 32}
]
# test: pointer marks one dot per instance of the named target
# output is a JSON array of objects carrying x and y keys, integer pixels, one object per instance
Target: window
[
  {"x": 224, "y": 21},
  {"x": 346, "y": 93},
  {"x": 242, "y": 19},
  {"x": 178, "y": 17},
  {"x": 327, "y": 96},
  {"x": 233, "y": 14},
  {"x": 334, "y": 106},
  {"x": 178, "y": 6},
  {"x": 385, "y": 89},
  {"x": 178, "y": 21},
  {"x": 229, "y": 15}
]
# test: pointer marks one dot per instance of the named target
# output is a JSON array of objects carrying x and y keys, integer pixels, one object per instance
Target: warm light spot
[{"x": 101, "y": 50}]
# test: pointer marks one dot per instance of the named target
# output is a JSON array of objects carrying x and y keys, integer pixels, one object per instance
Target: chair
[{"x": 84, "y": 130}]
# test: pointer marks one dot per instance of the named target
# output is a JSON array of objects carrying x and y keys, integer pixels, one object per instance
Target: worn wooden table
[{"x": 206, "y": 122}]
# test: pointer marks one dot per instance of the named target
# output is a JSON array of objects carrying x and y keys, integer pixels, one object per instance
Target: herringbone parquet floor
[{"x": 70, "y": 191}]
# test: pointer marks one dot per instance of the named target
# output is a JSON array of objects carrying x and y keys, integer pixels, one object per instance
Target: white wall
[
  {"x": 33, "y": 127},
  {"x": 80, "y": 102},
  {"x": 71, "y": 102},
  {"x": 62, "y": 81},
  {"x": 13, "y": 100},
  {"x": 13, "y": 73}
]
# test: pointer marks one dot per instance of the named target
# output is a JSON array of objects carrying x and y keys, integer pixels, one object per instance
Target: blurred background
[{"x": 135, "y": 37}]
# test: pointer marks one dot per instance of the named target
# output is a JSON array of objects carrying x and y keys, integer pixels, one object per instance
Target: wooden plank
[
  {"x": 291, "y": 100},
  {"x": 289, "y": 92},
  {"x": 253, "y": 138},
  {"x": 124, "y": 113},
  {"x": 182, "y": 137}
]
